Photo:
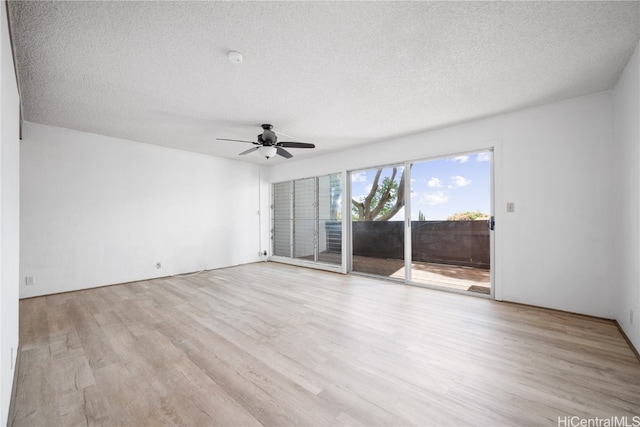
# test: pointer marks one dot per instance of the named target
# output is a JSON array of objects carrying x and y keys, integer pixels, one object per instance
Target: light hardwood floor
[{"x": 272, "y": 344}]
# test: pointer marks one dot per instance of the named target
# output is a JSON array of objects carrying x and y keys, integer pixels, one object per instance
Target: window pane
[
  {"x": 282, "y": 219},
  {"x": 304, "y": 218},
  {"x": 329, "y": 221},
  {"x": 450, "y": 210},
  {"x": 377, "y": 212},
  {"x": 307, "y": 219}
]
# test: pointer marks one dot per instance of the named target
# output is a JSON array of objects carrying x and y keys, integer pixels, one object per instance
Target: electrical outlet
[
  {"x": 158, "y": 265},
  {"x": 631, "y": 317},
  {"x": 511, "y": 207},
  {"x": 30, "y": 280}
]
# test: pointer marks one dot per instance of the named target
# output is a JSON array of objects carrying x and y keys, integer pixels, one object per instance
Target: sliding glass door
[
  {"x": 377, "y": 221},
  {"x": 450, "y": 218},
  {"x": 426, "y": 222}
]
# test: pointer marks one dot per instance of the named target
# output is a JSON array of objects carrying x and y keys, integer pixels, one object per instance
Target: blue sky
[{"x": 441, "y": 187}]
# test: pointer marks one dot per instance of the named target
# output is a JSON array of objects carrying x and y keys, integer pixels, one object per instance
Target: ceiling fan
[{"x": 268, "y": 145}]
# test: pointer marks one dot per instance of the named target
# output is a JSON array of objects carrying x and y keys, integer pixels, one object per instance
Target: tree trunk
[
  {"x": 366, "y": 212},
  {"x": 399, "y": 202}
]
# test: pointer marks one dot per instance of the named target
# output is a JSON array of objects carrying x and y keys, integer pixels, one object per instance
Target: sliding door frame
[
  {"x": 492, "y": 252},
  {"x": 494, "y": 147},
  {"x": 347, "y": 256}
]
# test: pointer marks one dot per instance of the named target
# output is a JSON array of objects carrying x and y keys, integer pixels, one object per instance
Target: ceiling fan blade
[
  {"x": 284, "y": 153},
  {"x": 236, "y": 140},
  {"x": 296, "y": 144},
  {"x": 248, "y": 151}
]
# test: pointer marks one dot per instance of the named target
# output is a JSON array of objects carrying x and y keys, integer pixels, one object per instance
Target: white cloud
[
  {"x": 436, "y": 198},
  {"x": 358, "y": 177},
  {"x": 483, "y": 157},
  {"x": 461, "y": 159},
  {"x": 460, "y": 181},
  {"x": 434, "y": 183}
]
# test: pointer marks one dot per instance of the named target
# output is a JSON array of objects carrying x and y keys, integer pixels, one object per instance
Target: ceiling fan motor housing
[{"x": 269, "y": 137}]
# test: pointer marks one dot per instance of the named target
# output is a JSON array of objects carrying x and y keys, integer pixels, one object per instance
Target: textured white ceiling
[{"x": 333, "y": 73}]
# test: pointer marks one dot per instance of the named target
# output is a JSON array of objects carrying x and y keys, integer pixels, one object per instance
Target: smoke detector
[{"x": 234, "y": 57}]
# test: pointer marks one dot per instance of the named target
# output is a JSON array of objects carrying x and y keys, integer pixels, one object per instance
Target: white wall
[
  {"x": 9, "y": 219},
  {"x": 553, "y": 162},
  {"x": 626, "y": 110},
  {"x": 97, "y": 211}
]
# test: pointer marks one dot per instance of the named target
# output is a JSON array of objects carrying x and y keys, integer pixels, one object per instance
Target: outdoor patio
[
  {"x": 457, "y": 277},
  {"x": 448, "y": 276}
]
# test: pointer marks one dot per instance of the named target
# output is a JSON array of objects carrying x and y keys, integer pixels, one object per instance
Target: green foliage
[
  {"x": 386, "y": 185},
  {"x": 468, "y": 216},
  {"x": 421, "y": 216}
]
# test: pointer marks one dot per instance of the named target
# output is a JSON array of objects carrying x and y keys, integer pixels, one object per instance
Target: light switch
[{"x": 511, "y": 207}]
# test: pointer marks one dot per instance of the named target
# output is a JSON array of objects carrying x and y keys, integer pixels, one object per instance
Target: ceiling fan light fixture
[
  {"x": 234, "y": 57},
  {"x": 267, "y": 151}
]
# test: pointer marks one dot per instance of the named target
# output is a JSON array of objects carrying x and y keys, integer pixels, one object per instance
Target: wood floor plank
[{"x": 272, "y": 344}]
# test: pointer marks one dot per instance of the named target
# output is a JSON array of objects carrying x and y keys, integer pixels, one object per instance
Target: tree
[
  {"x": 385, "y": 199},
  {"x": 468, "y": 216},
  {"x": 335, "y": 192},
  {"x": 421, "y": 216}
]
